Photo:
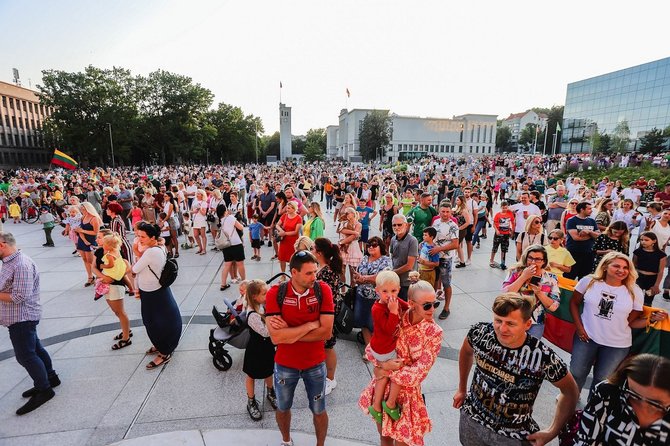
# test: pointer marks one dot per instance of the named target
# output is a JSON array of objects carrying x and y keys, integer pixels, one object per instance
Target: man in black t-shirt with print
[{"x": 510, "y": 368}]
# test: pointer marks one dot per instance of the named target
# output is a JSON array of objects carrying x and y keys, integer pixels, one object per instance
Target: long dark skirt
[{"x": 161, "y": 317}]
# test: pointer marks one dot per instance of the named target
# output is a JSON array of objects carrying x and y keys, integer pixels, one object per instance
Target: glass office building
[{"x": 638, "y": 96}]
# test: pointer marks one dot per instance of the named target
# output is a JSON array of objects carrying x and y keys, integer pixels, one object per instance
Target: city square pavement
[{"x": 109, "y": 397}]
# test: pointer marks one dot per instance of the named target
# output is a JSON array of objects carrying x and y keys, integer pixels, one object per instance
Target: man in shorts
[
  {"x": 299, "y": 327},
  {"x": 510, "y": 366},
  {"x": 446, "y": 243}
]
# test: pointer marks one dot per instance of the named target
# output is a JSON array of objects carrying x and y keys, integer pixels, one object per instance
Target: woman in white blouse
[
  {"x": 199, "y": 217},
  {"x": 160, "y": 313}
]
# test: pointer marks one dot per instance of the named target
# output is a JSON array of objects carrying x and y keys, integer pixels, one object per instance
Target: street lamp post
[
  {"x": 111, "y": 143},
  {"x": 256, "y": 142}
]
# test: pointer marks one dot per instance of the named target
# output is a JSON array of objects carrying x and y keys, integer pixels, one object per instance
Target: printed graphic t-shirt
[{"x": 506, "y": 381}]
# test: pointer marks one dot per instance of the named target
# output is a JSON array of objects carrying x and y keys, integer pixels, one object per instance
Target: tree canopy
[
  {"x": 163, "y": 117},
  {"x": 375, "y": 135}
]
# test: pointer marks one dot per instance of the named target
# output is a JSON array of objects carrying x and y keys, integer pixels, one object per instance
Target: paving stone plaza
[{"x": 108, "y": 397}]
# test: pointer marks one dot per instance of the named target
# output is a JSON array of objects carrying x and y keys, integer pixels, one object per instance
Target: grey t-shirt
[
  {"x": 555, "y": 213},
  {"x": 125, "y": 195},
  {"x": 408, "y": 246}
]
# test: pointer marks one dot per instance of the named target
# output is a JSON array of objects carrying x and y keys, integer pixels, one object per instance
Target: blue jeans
[
  {"x": 314, "y": 378},
  {"x": 604, "y": 360},
  {"x": 481, "y": 222},
  {"x": 536, "y": 330},
  {"x": 329, "y": 201},
  {"x": 363, "y": 312},
  {"x": 30, "y": 353}
]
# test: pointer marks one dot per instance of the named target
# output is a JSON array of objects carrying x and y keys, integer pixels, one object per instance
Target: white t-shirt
[
  {"x": 631, "y": 193},
  {"x": 191, "y": 190},
  {"x": 521, "y": 213},
  {"x": 155, "y": 258},
  {"x": 228, "y": 228},
  {"x": 606, "y": 310},
  {"x": 663, "y": 234}
]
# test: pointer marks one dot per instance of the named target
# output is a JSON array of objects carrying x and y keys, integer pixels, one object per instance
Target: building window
[
  {"x": 2, "y": 139},
  {"x": 23, "y": 140},
  {"x": 20, "y": 122},
  {"x": 479, "y": 132},
  {"x": 460, "y": 149},
  {"x": 30, "y": 106},
  {"x": 25, "y": 106},
  {"x": 14, "y": 121},
  {"x": 6, "y": 120},
  {"x": 11, "y": 102},
  {"x": 472, "y": 133},
  {"x": 4, "y": 101},
  {"x": 491, "y": 135}
]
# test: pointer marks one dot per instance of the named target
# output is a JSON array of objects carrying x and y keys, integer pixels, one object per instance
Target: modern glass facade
[{"x": 638, "y": 96}]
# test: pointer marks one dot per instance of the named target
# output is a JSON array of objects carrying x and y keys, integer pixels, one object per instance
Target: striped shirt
[{"x": 19, "y": 277}]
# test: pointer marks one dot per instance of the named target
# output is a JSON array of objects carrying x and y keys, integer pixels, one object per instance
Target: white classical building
[{"x": 415, "y": 137}]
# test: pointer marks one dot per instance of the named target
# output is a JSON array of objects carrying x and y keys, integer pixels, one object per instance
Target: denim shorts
[
  {"x": 445, "y": 271},
  {"x": 286, "y": 379}
]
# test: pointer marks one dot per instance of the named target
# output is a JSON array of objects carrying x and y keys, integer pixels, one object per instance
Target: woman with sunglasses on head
[
  {"x": 533, "y": 234},
  {"x": 331, "y": 271},
  {"x": 417, "y": 346},
  {"x": 530, "y": 278},
  {"x": 614, "y": 239},
  {"x": 375, "y": 261},
  {"x": 631, "y": 407},
  {"x": 560, "y": 259}
]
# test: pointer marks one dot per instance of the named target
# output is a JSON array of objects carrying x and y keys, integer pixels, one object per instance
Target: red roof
[{"x": 516, "y": 115}]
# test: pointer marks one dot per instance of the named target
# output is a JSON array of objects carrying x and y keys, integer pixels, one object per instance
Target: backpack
[
  {"x": 169, "y": 273},
  {"x": 281, "y": 293}
]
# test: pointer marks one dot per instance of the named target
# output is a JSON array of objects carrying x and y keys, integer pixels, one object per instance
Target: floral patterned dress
[{"x": 418, "y": 345}]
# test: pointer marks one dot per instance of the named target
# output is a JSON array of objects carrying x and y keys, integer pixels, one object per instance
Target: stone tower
[{"x": 285, "y": 151}]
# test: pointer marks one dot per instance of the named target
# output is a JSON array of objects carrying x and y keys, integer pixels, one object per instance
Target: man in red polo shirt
[{"x": 299, "y": 329}]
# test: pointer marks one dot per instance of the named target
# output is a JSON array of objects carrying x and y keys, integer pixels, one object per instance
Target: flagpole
[
  {"x": 280, "y": 87},
  {"x": 544, "y": 146},
  {"x": 537, "y": 128}
]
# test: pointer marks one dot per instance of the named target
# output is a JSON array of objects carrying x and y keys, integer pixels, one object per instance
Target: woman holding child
[{"x": 417, "y": 344}]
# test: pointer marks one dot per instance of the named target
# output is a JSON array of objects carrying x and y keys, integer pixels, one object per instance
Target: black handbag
[{"x": 344, "y": 319}]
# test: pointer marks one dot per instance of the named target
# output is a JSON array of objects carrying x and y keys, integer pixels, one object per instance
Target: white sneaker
[
  {"x": 439, "y": 295},
  {"x": 330, "y": 385},
  {"x": 287, "y": 443},
  {"x": 468, "y": 262}
]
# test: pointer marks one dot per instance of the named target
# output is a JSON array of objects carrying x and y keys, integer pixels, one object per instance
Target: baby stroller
[{"x": 232, "y": 329}]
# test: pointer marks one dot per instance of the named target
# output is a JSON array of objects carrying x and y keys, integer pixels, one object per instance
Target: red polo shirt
[{"x": 297, "y": 310}]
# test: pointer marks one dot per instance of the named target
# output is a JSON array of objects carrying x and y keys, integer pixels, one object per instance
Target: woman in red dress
[{"x": 288, "y": 229}]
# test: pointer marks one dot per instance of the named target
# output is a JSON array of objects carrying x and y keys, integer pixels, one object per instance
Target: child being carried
[{"x": 113, "y": 265}]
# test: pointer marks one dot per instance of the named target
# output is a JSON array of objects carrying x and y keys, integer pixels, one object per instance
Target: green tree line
[{"x": 160, "y": 118}]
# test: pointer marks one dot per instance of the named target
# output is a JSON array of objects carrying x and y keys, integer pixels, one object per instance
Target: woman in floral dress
[{"x": 419, "y": 341}]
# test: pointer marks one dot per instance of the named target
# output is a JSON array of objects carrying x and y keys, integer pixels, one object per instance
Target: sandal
[
  {"x": 121, "y": 344},
  {"x": 152, "y": 351},
  {"x": 176, "y": 256},
  {"x": 91, "y": 281},
  {"x": 393, "y": 413},
  {"x": 153, "y": 364},
  {"x": 376, "y": 415},
  {"x": 225, "y": 287},
  {"x": 119, "y": 336}
]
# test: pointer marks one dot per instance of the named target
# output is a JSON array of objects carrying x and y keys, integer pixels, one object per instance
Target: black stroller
[{"x": 232, "y": 329}]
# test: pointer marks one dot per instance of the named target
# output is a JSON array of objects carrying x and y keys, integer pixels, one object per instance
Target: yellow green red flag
[{"x": 64, "y": 160}]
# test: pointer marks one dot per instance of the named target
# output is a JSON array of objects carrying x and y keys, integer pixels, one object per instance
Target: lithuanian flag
[{"x": 64, "y": 160}]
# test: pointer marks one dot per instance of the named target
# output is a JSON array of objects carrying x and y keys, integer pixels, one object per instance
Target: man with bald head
[{"x": 404, "y": 252}]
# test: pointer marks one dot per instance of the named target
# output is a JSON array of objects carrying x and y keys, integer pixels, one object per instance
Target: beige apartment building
[{"x": 21, "y": 120}]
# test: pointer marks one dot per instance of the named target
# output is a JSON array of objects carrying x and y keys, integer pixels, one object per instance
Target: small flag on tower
[
  {"x": 64, "y": 160},
  {"x": 348, "y": 94},
  {"x": 280, "y": 85}
]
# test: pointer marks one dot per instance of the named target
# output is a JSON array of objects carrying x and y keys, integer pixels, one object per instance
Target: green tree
[
  {"x": 527, "y": 136},
  {"x": 271, "y": 144},
  {"x": 235, "y": 139},
  {"x": 315, "y": 145},
  {"x": 621, "y": 137},
  {"x": 375, "y": 135},
  {"x": 503, "y": 137},
  {"x": 652, "y": 142},
  {"x": 84, "y": 106},
  {"x": 172, "y": 107},
  {"x": 605, "y": 143},
  {"x": 554, "y": 117},
  {"x": 595, "y": 141},
  {"x": 666, "y": 131}
]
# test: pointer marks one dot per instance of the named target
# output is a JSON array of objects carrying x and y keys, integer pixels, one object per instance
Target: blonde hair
[
  {"x": 91, "y": 210},
  {"x": 112, "y": 240},
  {"x": 387, "y": 276},
  {"x": 316, "y": 207},
  {"x": 419, "y": 288},
  {"x": 254, "y": 289},
  {"x": 303, "y": 243},
  {"x": 601, "y": 271},
  {"x": 529, "y": 223}
]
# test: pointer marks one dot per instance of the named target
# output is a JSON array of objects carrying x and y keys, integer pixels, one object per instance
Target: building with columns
[
  {"x": 285, "y": 151},
  {"x": 415, "y": 137},
  {"x": 21, "y": 120}
]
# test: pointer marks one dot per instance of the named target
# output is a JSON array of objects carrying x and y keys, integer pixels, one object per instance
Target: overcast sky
[{"x": 425, "y": 58}]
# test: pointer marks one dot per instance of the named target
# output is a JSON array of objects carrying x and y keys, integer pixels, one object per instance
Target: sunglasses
[
  {"x": 395, "y": 225},
  {"x": 554, "y": 238},
  {"x": 636, "y": 396},
  {"x": 373, "y": 245},
  {"x": 428, "y": 305}
]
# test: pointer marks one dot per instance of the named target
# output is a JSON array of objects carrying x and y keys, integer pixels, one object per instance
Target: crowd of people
[{"x": 401, "y": 232}]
